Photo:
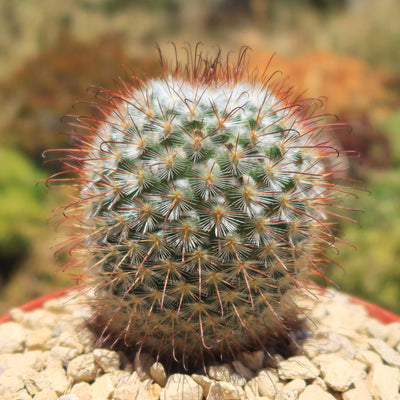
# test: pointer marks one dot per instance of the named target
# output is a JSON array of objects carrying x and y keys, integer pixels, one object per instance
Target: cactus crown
[{"x": 201, "y": 206}]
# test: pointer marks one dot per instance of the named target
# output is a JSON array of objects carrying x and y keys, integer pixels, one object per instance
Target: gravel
[{"x": 46, "y": 354}]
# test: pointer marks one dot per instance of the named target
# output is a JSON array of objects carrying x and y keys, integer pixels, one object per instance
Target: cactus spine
[{"x": 201, "y": 208}]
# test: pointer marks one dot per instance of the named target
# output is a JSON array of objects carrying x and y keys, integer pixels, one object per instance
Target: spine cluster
[{"x": 201, "y": 207}]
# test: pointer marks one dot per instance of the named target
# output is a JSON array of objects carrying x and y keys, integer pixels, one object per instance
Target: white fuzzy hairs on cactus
[{"x": 201, "y": 209}]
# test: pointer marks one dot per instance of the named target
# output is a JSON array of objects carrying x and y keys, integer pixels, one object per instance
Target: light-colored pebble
[
  {"x": 181, "y": 387},
  {"x": 157, "y": 372},
  {"x": 108, "y": 360},
  {"x": 226, "y": 372},
  {"x": 35, "y": 383},
  {"x": 69, "y": 397},
  {"x": 376, "y": 329},
  {"x": 224, "y": 390},
  {"x": 368, "y": 357},
  {"x": 291, "y": 390},
  {"x": 231, "y": 391},
  {"x": 357, "y": 394},
  {"x": 361, "y": 384},
  {"x": 313, "y": 346},
  {"x": 16, "y": 314},
  {"x": 127, "y": 389},
  {"x": 119, "y": 376},
  {"x": 251, "y": 388},
  {"x": 393, "y": 335},
  {"x": 354, "y": 336},
  {"x": 319, "y": 312},
  {"x": 320, "y": 382},
  {"x": 337, "y": 373},
  {"x": 70, "y": 340},
  {"x": 34, "y": 359},
  {"x": 46, "y": 394},
  {"x": 215, "y": 392},
  {"x": 340, "y": 315},
  {"x": 38, "y": 338},
  {"x": 82, "y": 368},
  {"x": 297, "y": 367},
  {"x": 12, "y": 337},
  {"x": 268, "y": 383},
  {"x": 204, "y": 382},
  {"x": 153, "y": 391},
  {"x": 347, "y": 348},
  {"x": 80, "y": 309},
  {"x": 221, "y": 372},
  {"x": 52, "y": 362},
  {"x": 315, "y": 392},
  {"x": 64, "y": 354},
  {"x": 237, "y": 380},
  {"x": 384, "y": 382},
  {"x": 10, "y": 385},
  {"x": 63, "y": 325},
  {"x": 103, "y": 387},
  {"x": 359, "y": 369},
  {"x": 259, "y": 398},
  {"x": 21, "y": 395},
  {"x": 51, "y": 342},
  {"x": 389, "y": 355},
  {"x": 38, "y": 318},
  {"x": 50, "y": 378},
  {"x": 58, "y": 379},
  {"x": 86, "y": 338},
  {"x": 82, "y": 390},
  {"x": 133, "y": 388},
  {"x": 19, "y": 372},
  {"x": 57, "y": 305}
]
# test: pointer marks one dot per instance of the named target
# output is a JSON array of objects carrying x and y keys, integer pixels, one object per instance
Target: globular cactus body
[{"x": 202, "y": 206}]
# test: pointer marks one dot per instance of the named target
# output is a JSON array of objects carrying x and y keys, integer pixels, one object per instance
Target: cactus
[{"x": 201, "y": 209}]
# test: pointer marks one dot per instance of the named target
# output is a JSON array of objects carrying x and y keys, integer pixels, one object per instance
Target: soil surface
[{"x": 47, "y": 354}]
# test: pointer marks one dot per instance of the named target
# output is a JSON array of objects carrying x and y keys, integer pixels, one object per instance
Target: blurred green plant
[
  {"x": 21, "y": 208},
  {"x": 372, "y": 272},
  {"x": 26, "y": 258},
  {"x": 392, "y": 127},
  {"x": 114, "y": 6}
]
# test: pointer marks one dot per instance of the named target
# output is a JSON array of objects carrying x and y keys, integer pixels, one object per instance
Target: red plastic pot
[{"x": 374, "y": 311}]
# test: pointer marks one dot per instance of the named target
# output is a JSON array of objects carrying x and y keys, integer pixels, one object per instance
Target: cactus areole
[{"x": 200, "y": 209}]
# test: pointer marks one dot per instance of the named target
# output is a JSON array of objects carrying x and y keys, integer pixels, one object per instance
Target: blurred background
[{"x": 51, "y": 52}]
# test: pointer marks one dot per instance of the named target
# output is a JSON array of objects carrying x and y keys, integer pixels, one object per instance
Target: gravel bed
[{"x": 46, "y": 354}]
